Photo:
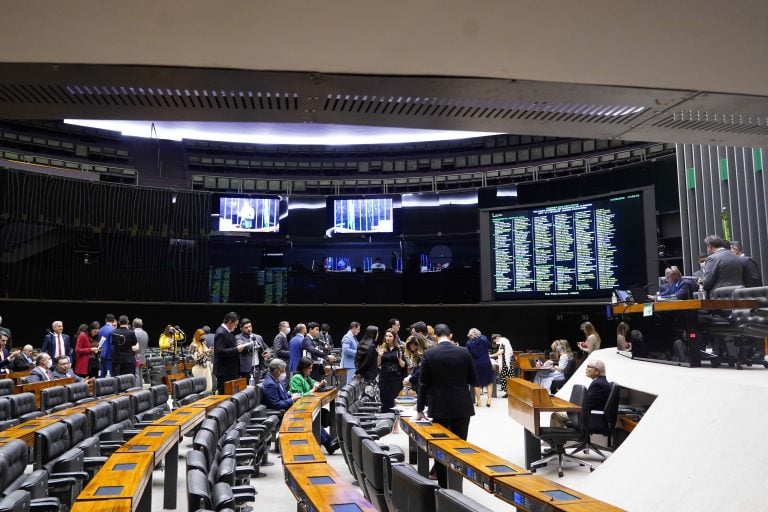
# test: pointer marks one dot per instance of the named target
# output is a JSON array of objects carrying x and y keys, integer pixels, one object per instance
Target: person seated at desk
[
  {"x": 42, "y": 370},
  {"x": 63, "y": 369},
  {"x": 597, "y": 395},
  {"x": 677, "y": 288},
  {"x": 378, "y": 266},
  {"x": 563, "y": 355},
  {"x": 621, "y": 337},
  {"x": 303, "y": 384}
]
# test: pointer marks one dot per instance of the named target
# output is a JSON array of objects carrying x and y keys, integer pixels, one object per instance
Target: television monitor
[
  {"x": 249, "y": 214},
  {"x": 580, "y": 249},
  {"x": 361, "y": 214}
]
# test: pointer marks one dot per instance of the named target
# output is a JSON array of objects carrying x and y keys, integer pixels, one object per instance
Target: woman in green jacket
[{"x": 302, "y": 383}]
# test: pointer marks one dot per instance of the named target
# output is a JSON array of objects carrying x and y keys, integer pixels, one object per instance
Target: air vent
[
  {"x": 479, "y": 109},
  {"x": 713, "y": 122},
  {"x": 114, "y": 96}
]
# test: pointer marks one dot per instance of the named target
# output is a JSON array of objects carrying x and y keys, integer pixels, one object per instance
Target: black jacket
[
  {"x": 226, "y": 359},
  {"x": 447, "y": 372}
]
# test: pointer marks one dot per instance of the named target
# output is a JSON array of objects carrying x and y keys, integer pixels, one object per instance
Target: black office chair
[
  {"x": 23, "y": 406},
  {"x": 448, "y": 500},
  {"x": 374, "y": 465},
  {"x": 183, "y": 392},
  {"x": 104, "y": 386},
  {"x": 16, "y": 501},
  {"x": 5, "y": 415},
  {"x": 414, "y": 493},
  {"x": 201, "y": 496},
  {"x": 13, "y": 461},
  {"x": 558, "y": 437},
  {"x": 54, "y": 399},
  {"x": 160, "y": 397},
  {"x": 6, "y": 387},
  {"x": 606, "y": 426},
  {"x": 65, "y": 465},
  {"x": 78, "y": 393},
  {"x": 127, "y": 383}
]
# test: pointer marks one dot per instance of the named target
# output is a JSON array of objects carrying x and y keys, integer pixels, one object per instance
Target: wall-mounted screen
[
  {"x": 574, "y": 250},
  {"x": 249, "y": 214},
  {"x": 372, "y": 214}
]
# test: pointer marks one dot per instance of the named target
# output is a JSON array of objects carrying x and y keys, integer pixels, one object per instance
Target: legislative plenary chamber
[{"x": 436, "y": 256}]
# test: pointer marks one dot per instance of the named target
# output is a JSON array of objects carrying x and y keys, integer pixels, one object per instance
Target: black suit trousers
[{"x": 460, "y": 427}]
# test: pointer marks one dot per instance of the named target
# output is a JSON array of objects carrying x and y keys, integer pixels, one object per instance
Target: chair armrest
[{"x": 45, "y": 505}]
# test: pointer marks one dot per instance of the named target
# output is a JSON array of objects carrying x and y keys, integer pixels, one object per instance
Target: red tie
[{"x": 59, "y": 346}]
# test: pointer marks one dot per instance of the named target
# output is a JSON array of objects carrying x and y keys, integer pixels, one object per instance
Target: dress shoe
[{"x": 332, "y": 446}]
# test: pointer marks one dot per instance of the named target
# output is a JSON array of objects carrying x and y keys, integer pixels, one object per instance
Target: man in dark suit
[
  {"x": 5, "y": 356},
  {"x": 677, "y": 287},
  {"x": 723, "y": 268},
  {"x": 447, "y": 373},
  {"x": 226, "y": 353},
  {"x": 597, "y": 395},
  {"x": 56, "y": 343},
  {"x": 253, "y": 355},
  {"x": 752, "y": 275},
  {"x": 124, "y": 348},
  {"x": 42, "y": 370},
  {"x": 280, "y": 347}
]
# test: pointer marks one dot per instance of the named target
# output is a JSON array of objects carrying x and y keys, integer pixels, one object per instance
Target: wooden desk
[
  {"x": 233, "y": 386},
  {"x": 17, "y": 376},
  {"x": 37, "y": 387},
  {"x": 526, "y": 362},
  {"x": 210, "y": 401},
  {"x": 184, "y": 418},
  {"x": 320, "y": 488},
  {"x": 670, "y": 315},
  {"x": 163, "y": 444},
  {"x": 525, "y": 402},
  {"x": 124, "y": 476},
  {"x": 420, "y": 433},
  {"x": 534, "y": 493},
  {"x": 472, "y": 462},
  {"x": 115, "y": 505},
  {"x": 300, "y": 448},
  {"x": 26, "y": 431}
]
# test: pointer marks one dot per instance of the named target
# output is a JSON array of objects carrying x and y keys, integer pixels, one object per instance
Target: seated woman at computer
[
  {"x": 563, "y": 355},
  {"x": 621, "y": 337},
  {"x": 592, "y": 342},
  {"x": 677, "y": 288}
]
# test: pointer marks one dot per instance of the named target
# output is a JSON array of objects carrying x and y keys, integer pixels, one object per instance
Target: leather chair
[
  {"x": 183, "y": 392},
  {"x": 127, "y": 383},
  {"x": 122, "y": 419},
  {"x": 100, "y": 418},
  {"x": 6, "y": 387},
  {"x": 104, "y": 386},
  {"x": 78, "y": 393},
  {"x": 17, "y": 501},
  {"x": 13, "y": 461},
  {"x": 415, "y": 493},
  {"x": 143, "y": 405},
  {"x": 557, "y": 437},
  {"x": 448, "y": 500},
  {"x": 201, "y": 496},
  {"x": 65, "y": 465},
  {"x": 160, "y": 398},
  {"x": 200, "y": 387},
  {"x": 54, "y": 399},
  {"x": 357, "y": 436},
  {"x": 157, "y": 372},
  {"x": 23, "y": 406},
  {"x": 374, "y": 464},
  {"x": 5, "y": 415},
  {"x": 80, "y": 434},
  {"x": 606, "y": 427}
]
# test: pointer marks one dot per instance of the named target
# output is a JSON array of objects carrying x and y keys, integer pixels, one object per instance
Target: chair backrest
[
  {"x": 5, "y": 409},
  {"x": 578, "y": 396},
  {"x": 78, "y": 426},
  {"x": 17, "y": 501},
  {"x": 610, "y": 411},
  {"x": 52, "y": 397},
  {"x": 200, "y": 384},
  {"x": 724, "y": 292},
  {"x": 241, "y": 402},
  {"x": 358, "y": 434},
  {"x": 181, "y": 388},
  {"x": 373, "y": 464},
  {"x": 77, "y": 391},
  {"x": 100, "y": 416},
  {"x": 6, "y": 387},
  {"x": 198, "y": 491},
  {"x": 125, "y": 382},
  {"x": 448, "y": 500},
  {"x": 155, "y": 362},
  {"x": 415, "y": 493},
  {"x": 104, "y": 386},
  {"x": 13, "y": 460},
  {"x": 231, "y": 410},
  {"x": 205, "y": 442},
  {"x": 160, "y": 394},
  {"x": 570, "y": 368},
  {"x": 141, "y": 401},
  {"x": 50, "y": 442},
  {"x": 21, "y": 404},
  {"x": 121, "y": 409}
]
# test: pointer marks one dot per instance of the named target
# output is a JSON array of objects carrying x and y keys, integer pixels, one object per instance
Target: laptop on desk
[{"x": 639, "y": 295}]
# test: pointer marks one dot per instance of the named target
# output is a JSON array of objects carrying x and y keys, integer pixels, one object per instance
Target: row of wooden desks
[
  {"x": 509, "y": 482},
  {"x": 314, "y": 483}
]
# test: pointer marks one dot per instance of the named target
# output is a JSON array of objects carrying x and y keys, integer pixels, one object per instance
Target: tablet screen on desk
[
  {"x": 108, "y": 490},
  {"x": 346, "y": 507},
  {"x": 560, "y": 495},
  {"x": 303, "y": 458},
  {"x": 501, "y": 468},
  {"x": 439, "y": 435},
  {"x": 466, "y": 450},
  {"x": 298, "y": 441},
  {"x": 321, "y": 480}
]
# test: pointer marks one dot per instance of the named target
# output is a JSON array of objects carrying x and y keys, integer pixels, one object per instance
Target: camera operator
[
  {"x": 124, "y": 347},
  {"x": 252, "y": 358}
]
